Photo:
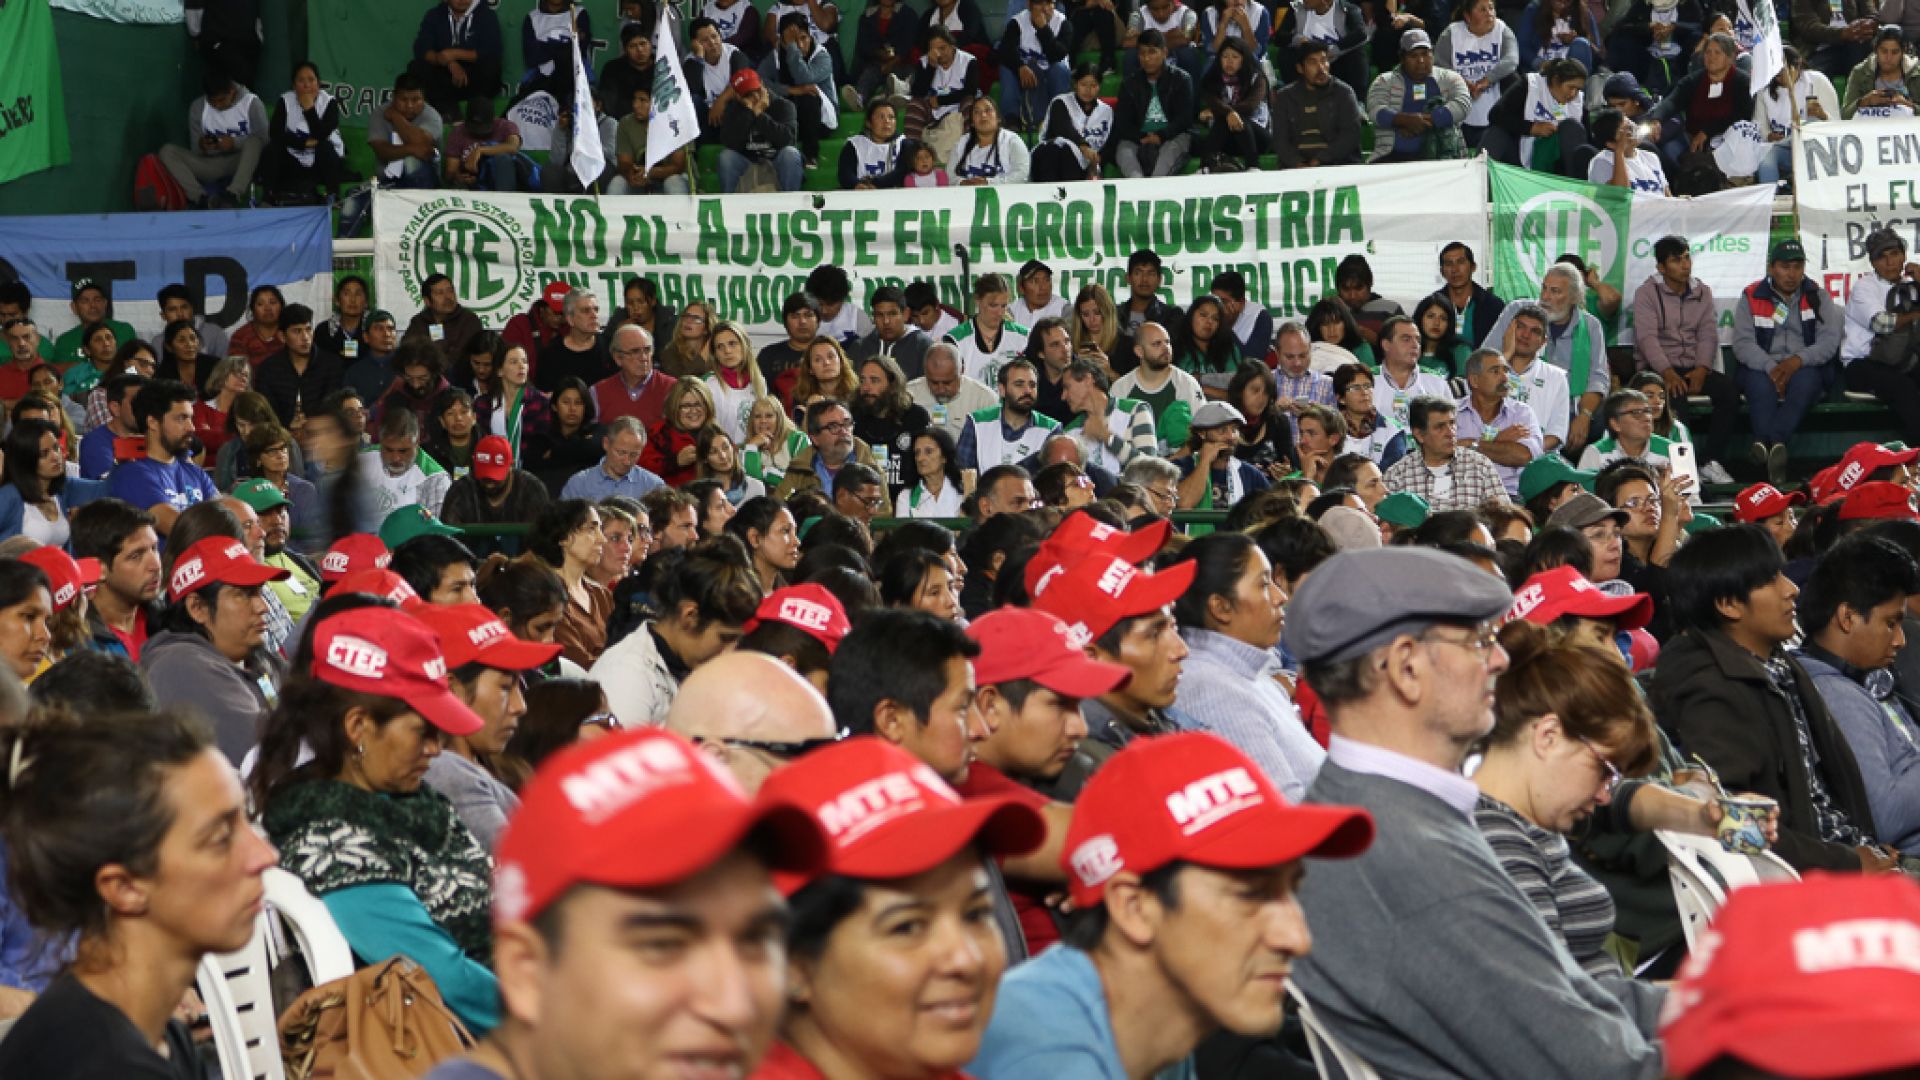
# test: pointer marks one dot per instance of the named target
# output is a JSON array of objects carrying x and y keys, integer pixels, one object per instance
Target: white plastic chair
[
  {"x": 1703, "y": 874},
  {"x": 237, "y": 987},
  {"x": 1327, "y": 1050}
]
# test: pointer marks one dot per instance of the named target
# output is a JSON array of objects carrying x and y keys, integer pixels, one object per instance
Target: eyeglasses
[
  {"x": 786, "y": 751},
  {"x": 1482, "y": 643},
  {"x": 1637, "y": 414},
  {"x": 1637, "y": 502},
  {"x": 1611, "y": 772},
  {"x": 600, "y": 719},
  {"x": 838, "y": 427},
  {"x": 1163, "y": 496}
]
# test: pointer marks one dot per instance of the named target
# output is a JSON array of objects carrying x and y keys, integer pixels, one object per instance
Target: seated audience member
[
  {"x": 871, "y": 159},
  {"x": 483, "y": 152},
  {"x": 226, "y": 134},
  {"x": 1502, "y": 430},
  {"x": 26, "y": 607},
  {"x": 120, "y": 613},
  {"x": 1786, "y": 337},
  {"x": 636, "y": 177},
  {"x": 305, "y": 157},
  {"x": 271, "y": 506},
  {"x": 494, "y": 492},
  {"x": 1556, "y": 30},
  {"x": 1378, "y": 665},
  {"x": 568, "y": 538},
  {"x": 1179, "y": 26},
  {"x": 800, "y": 70},
  {"x": 1316, "y": 118},
  {"x": 1883, "y": 84},
  {"x": 704, "y": 596},
  {"x": 1417, "y": 109},
  {"x": 33, "y": 501},
  {"x": 930, "y": 853},
  {"x": 636, "y": 388},
  {"x": 1400, "y": 379},
  {"x": 457, "y": 53},
  {"x": 1353, "y": 282},
  {"x": 372, "y": 375},
  {"x": 299, "y": 372},
  {"x": 1569, "y": 338},
  {"x": 757, "y": 133},
  {"x": 946, "y": 82},
  {"x": 1481, "y": 47},
  {"x": 618, "y": 471},
  {"x": 405, "y": 137},
  {"x": 1233, "y": 110},
  {"x": 1866, "y": 306},
  {"x": 799, "y": 626},
  {"x": 1153, "y": 114},
  {"x": 884, "y": 50},
  {"x": 1033, "y": 56},
  {"x": 1627, "y": 420},
  {"x": 1681, "y": 341},
  {"x": 988, "y": 153},
  {"x": 561, "y": 711},
  {"x": 769, "y": 531},
  {"x": 164, "y": 480},
  {"x": 1165, "y": 904},
  {"x": 1075, "y": 133},
  {"x": 1728, "y": 675},
  {"x": 1441, "y": 471},
  {"x": 893, "y": 336},
  {"x": 829, "y": 425},
  {"x": 1852, "y": 610},
  {"x": 1340, "y": 25},
  {"x": 1622, "y": 162},
  {"x": 444, "y": 321},
  {"x": 437, "y": 567},
  {"x": 1475, "y": 309},
  {"x": 1212, "y": 475},
  {"x": 209, "y": 653},
  {"x": 629, "y": 70},
  {"x": 91, "y": 304},
  {"x": 1705, "y": 103},
  {"x": 1251, "y": 323},
  {"x": 949, "y": 396},
  {"x": 1173, "y": 394},
  {"x": 905, "y": 676},
  {"x": 711, "y": 64},
  {"x": 558, "y": 937},
  {"x": 93, "y": 798},
  {"x": 375, "y": 677},
  {"x": 1539, "y": 123}
]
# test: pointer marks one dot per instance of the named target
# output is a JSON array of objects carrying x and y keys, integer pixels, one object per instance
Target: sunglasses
[{"x": 785, "y": 750}]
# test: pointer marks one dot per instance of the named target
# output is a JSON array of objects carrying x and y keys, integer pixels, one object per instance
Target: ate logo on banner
[
  {"x": 1555, "y": 223},
  {"x": 485, "y": 250}
]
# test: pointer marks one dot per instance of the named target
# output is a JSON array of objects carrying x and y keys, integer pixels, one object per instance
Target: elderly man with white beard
[{"x": 1576, "y": 343}]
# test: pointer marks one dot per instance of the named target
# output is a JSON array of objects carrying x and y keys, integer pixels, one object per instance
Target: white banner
[
  {"x": 1728, "y": 233},
  {"x": 1285, "y": 231},
  {"x": 1853, "y": 177}
]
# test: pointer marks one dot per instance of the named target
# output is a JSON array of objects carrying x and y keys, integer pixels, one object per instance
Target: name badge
[
  {"x": 1420, "y": 91},
  {"x": 1714, "y": 90},
  {"x": 439, "y": 333},
  {"x": 350, "y": 349},
  {"x": 1780, "y": 315},
  {"x": 939, "y": 413},
  {"x": 294, "y": 586}
]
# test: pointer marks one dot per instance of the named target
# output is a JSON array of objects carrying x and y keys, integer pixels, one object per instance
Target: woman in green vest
[{"x": 771, "y": 441}]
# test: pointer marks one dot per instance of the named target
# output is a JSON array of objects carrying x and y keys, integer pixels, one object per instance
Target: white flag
[
  {"x": 674, "y": 122},
  {"x": 1766, "y": 55},
  {"x": 589, "y": 157}
]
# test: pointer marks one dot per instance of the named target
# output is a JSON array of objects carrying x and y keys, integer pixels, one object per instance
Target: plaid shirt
[
  {"x": 1475, "y": 480},
  {"x": 1310, "y": 386}
]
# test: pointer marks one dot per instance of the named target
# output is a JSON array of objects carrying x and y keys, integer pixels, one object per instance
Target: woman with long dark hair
[
  {"x": 26, "y": 603},
  {"x": 512, "y": 408},
  {"x": 1331, "y": 320},
  {"x": 1266, "y": 439},
  {"x": 1234, "y": 110},
  {"x": 570, "y": 442},
  {"x": 36, "y": 474},
  {"x": 1441, "y": 350},
  {"x": 1203, "y": 343},
  {"x": 567, "y": 537},
  {"x": 260, "y": 337},
  {"x": 767, "y": 529},
  {"x": 702, "y": 597},
  {"x": 181, "y": 359},
  {"x": 937, "y": 490}
]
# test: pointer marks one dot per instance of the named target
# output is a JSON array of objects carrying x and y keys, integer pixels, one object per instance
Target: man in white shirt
[
  {"x": 1534, "y": 382},
  {"x": 1401, "y": 379},
  {"x": 1172, "y": 394},
  {"x": 989, "y": 339},
  {"x": 1037, "y": 299},
  {"x": 1575, "y": 343},
  {"x": 1901, "y": 392},
  {"x": 394, "y": 473},
  {"x": 948, "y": 396},
  {"x": 1252, "y": 323},
  {"x": 1012, "y": 431}
]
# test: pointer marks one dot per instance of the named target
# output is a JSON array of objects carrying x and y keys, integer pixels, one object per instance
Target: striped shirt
[
  {"x": 1575, "y": 906},
  {"x": 1130, "y": 433},
  {"x": 1310, "y": 387}
]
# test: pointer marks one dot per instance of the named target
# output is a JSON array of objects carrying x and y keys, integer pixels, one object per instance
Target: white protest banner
[
  {"x": 1285, "y": 231},
  {"x": 1852, "y": 177}
]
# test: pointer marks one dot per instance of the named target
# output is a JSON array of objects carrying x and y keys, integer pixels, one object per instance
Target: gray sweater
[
  {"x": 482, "y": 802},
  {"x": 1429, "y": 962},
  {"x": 186, "y": 670}
]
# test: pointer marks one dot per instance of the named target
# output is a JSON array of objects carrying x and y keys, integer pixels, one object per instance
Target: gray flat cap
[
  {"x": 1358, "y": 601},
  {"x": 1582, "y": 510}
]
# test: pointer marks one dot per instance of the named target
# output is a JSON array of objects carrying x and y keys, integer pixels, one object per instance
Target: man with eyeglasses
[
  {"x": 948, "y": 395},
  {"x": 859, "y": 493},
  {"x": 1628, "y": 434},
  {"x": 830, "y": 426},
  {"x": 1505, "y": 431},
  {"x": 753, "y": 713},
  {"x": 619, "y": 471},
  {"x": 638, "y": 389},
  {"x": 1399, "y": 644}
]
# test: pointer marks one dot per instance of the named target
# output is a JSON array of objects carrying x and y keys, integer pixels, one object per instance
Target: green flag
[
  {"x": 1537, "y": 218},
  {"x": 33, "y": 112}
]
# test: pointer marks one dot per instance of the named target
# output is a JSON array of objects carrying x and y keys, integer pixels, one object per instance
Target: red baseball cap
[
  {"x": 382, "y": 583},
  {"x": 885, "y": 814},
  {"x": 1098, "y": 591},
  {"x": 471, "y": 634},
  {"x": 355, "y": 551},
  {"x": 221, "y": 559},
  {"x": 1879, "y": 499},
  {"x": 745, "y": 81},
  {"x": 1809, "y": 978},
  {"x": 493, "y": 458},
  {"x": 807, "y": 608},
  {"x": 1082, "y": 534},
  {"x": 638, "y": 809},
  {"x": 1863, "y": 458},
  {"x": 393, "y": 655},
  {"x": 1563, "y": 590},
  {"x": 555, "y": 296},
  {"x": 67, "y": 577},
  {"x": 1025, "y": 643},
  {"x": 1762, "y": 501},
  {"x": 1195, "y": 797}
]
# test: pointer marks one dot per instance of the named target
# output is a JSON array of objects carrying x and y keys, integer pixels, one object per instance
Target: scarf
[
  {"x": 1580, "y": 361},
  {"x": 1236, "y": 487},
  {"x": 515, "y": 404}
]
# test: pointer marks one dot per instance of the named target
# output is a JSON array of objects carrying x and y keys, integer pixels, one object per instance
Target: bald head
[
  {"x": 747, "y": 695},
  {"x": 250, "y": 530}
]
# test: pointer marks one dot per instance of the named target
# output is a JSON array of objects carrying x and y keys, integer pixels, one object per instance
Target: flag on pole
[
  {"x": 589, "y": 157},
  {"x": 1766, "y": 54},
  {"x": 674, "y": 123}
]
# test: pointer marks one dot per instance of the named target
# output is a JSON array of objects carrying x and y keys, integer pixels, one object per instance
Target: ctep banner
[
  {"x": 1852, "y": 177},
  {"x": 1285, "y": 231},
  {"x": 219, "y": 255}
]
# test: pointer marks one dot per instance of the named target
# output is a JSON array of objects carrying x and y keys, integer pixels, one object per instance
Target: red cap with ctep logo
[
  {"x": 639, "y": 809},
  {"x": 1082, "y": 534},
  {"x": 555, "y": 295},
  {"x": 1195, "y": 797},
  {"x": 1024, "y": 643},
  {"x": 67, "y": 577},
  {"x": 1098, "y": 591},
  {"x": 1813, "y": 978},
  {"x": 354, "y": 551},
  {"x": 471, "y": 634},
  {"x": 887, "y": 815},
  {"x": 222, "y": 559},
  {"x": 1563, "y": 590},
  {"x": 1762, "y": 501},
  {"x": 390, "y": 654},
  {"x": 1862, "y": 459},
  {"x": 382, "y": 583},
  {"x": 1879, "y": 500},
  {"x": 493, "y": 458},
  {"x": 807, "y": 608}
]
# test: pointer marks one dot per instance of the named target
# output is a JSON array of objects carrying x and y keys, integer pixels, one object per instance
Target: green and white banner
[
  {"x": 141, "y": 12},
  {"x": 1285, "y": 231},
  {"x": 1538, "y": 218},
  {"x": 1852, "y": 177},
  {"x": 33, "y": 111}
]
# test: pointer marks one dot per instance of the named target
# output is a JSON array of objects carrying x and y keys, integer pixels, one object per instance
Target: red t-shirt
[
  {"x": 1029, "y": 900},
  {"x": 135, "y": 640},
  {"x": 783, "y": 1062}
]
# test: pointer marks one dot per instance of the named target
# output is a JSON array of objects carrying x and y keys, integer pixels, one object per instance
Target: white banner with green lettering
[
  {"x": 1285, "y": 231},
  {"x": 1538, "y": 218}
]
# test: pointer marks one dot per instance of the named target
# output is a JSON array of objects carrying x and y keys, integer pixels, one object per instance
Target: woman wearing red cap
[
  {"x": 384, "y": 851},
  {"x": 26, "y": 601},
  {"x": 894, "y": 955},
  {"x": 68, "y": 582}
]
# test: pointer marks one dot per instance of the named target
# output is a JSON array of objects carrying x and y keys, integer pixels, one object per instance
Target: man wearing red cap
[
  {"x": 758, "y": 129},
  {"x": 534, "y": 328},
  {"x": 1182, "y": 862},
  {"x": 494, "y": 492},
  {"x": 486, "y": 666},
  {"x": 628, "y": 944},
  {"x": 1771, "y": 509}
]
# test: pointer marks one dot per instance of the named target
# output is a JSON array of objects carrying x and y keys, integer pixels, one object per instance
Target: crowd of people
[
  {"x": 554, "y": 661},
  {"x": 1652, "y": 95}
]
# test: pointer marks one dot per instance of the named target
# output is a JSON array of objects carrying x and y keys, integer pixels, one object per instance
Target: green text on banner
[
  {"x": 1538, "y": 218},
  {"x": 1852, "y": 177},
  {"x": 33, "y": 111},
  {"x": 1285, "y": 231}
]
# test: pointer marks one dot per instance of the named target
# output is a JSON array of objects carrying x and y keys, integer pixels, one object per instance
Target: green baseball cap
[
  {"x": 410, "y": 521},
  {"x": 1700, "y": 522},
  {"x": 260, "y": 494},
  {"x": 1543, "y": 472},
  {"x": 1787, "y": 250},
  {"x": 1402, "y": 508}
]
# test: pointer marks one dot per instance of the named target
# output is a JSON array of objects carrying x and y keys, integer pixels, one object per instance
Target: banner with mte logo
[
  {"x": 1538, "y": 218},
  {"x": 1285, "y": 232},
  {"x": 33, "y": 111}
]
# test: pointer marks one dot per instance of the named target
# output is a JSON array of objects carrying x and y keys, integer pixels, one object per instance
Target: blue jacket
[
  {"x": 1882, "y": 737},
  {"x": 436, "y": 32}
]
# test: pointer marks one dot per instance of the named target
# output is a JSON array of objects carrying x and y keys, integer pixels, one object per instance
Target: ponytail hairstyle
[
  {"x": 519, "y": 589},
  {"x": 716, "y": 576}
]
